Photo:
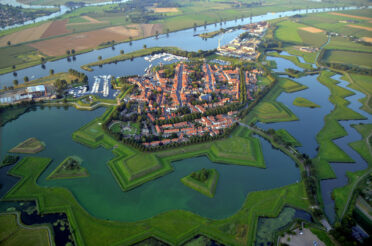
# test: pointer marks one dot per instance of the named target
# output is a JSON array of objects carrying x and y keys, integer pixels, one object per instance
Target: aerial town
[
  {"x": 195, "y": 88},
  {"x": 246, "y": 45}
]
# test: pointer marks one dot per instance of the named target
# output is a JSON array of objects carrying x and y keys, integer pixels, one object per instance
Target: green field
[
  {"x": 207, "y": 188},
  {"x": 29, "y": 146},
  {"x": 362, "y": 59},
  {"x": 13, "y": 234},
  {"x": 12, "y": 113},
  {"x": 323, "y": 236},
  {"x": 61, "y": 172},
  {"x": 235, "y": 230},
  {"x": 328, "y": 150},
  {"x": 303, "y": 102},
  {"x": 287, "y": 32}
]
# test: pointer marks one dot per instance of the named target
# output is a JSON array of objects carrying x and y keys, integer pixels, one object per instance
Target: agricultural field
[
  {"x": 11, "y": 233},
  {"x": 348, "y": 57},
  {"x": 19, "y": 56},
  {"x": 362, "y": 83}
]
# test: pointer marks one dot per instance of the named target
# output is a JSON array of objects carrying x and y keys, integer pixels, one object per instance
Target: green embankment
[
  {"x": 362, "y": 83},
  {"x": 364, "y": 146},
  {"x": 293, "y": 59},
  {"x": 29, "y": 146},
  {"x": 287, "y": 137},
  {"x": 12, "y": 113},
  {"x": 235, "y": 230},
  {"x": 328, "y": 150},
  {"x": 62, "y": 172},
  {"x": 11, "y": 233},
  {"x": 269, "y": 110},
  {"x": 303, "y": 102},
  {"x": 134, "y": 54},
  {"x": 323, "y": 236},
  {"x": 207, "y": 188},
  {"x": 342, "y": 194}
]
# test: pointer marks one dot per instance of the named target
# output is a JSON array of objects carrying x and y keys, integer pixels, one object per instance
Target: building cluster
[
  {"x": 194, "y": 88},
  {"x": 24, "y": 94},
  {"x": 246, "y": 45}
]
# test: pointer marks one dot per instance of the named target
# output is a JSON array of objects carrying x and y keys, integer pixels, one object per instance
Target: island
[
  {"x": 303, "y": 102},
  {"x": 203, "y": 181},
  {"x": 69, "y": 168},
  {"x": 29, "y": 146}
]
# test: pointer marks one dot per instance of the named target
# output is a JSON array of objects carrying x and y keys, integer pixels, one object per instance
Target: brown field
[
  {"x": 56, "y": 28},
  {"x": 352, "y": 16},
  {"x": 148, "y": 29},
  {"x": 88, "y": 18},
  {"x": 367, "y": 39},
  {"x": 361, "y": 27},
  {"x": 83, "y": 41},
  {"x": 311, "y": 29},
  {"x": 30, "y": 34},
  {"x": 166, "y": 10}
]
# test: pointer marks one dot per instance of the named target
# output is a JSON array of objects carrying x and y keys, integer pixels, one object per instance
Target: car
[{"x": 315, "y": 243}]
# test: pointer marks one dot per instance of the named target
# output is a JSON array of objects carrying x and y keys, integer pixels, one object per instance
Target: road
[{"x": 179, "y": 86}]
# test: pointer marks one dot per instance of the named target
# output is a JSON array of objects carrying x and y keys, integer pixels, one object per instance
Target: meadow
[
  {"x": 361, "y": 59},
  {"x": 303, "y": 102}
]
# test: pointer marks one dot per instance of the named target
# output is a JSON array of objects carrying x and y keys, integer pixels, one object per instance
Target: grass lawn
[
  {"x": 140, "y": 165},
  {"x": 328, "y": 150},
  {"x": 238, "y": 229},
  {"x": 29, "y": 146},
  {"x": 62, "y": 171},
  {"x": 362, "y": 59},
  {"x": 12, "y": 234},
  {"x": 303, "y": 102},
  {"x": 287, "y": 137},
  {"x": 207, "y": 188},
  {"x": 308, "y": 57}
]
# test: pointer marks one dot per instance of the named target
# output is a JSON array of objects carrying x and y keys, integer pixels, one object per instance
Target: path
[
  {"x": 20, "y": 224},
  {"x": 352, "y": 191}
]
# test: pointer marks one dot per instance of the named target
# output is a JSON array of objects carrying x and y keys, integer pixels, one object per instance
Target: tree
[
  {"x": 25, "y": 79},
  {"x": 9, "y": 43},
  {"x": 157, "y": 34},
  {"x": 68, "y": 52},
  {"x": 51, "y": 71},
  {"x": 99, "y": 57},
  {"x": 60, "y": 85},
  {"x": 195, "y": 26},
  {"x": 14, "y": 66},
  {"x": 72, "y": 51},
  {"x": 122, "y": 52},
  {"x": 15, "y": 82},
  {"x": 144, "y": 46}
]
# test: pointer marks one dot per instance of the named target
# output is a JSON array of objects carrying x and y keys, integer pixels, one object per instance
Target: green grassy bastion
[
  {"x": 303, "y": 102},
  {"x": 29, "y": 146},
  {"x": 207, "y": 187}
]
